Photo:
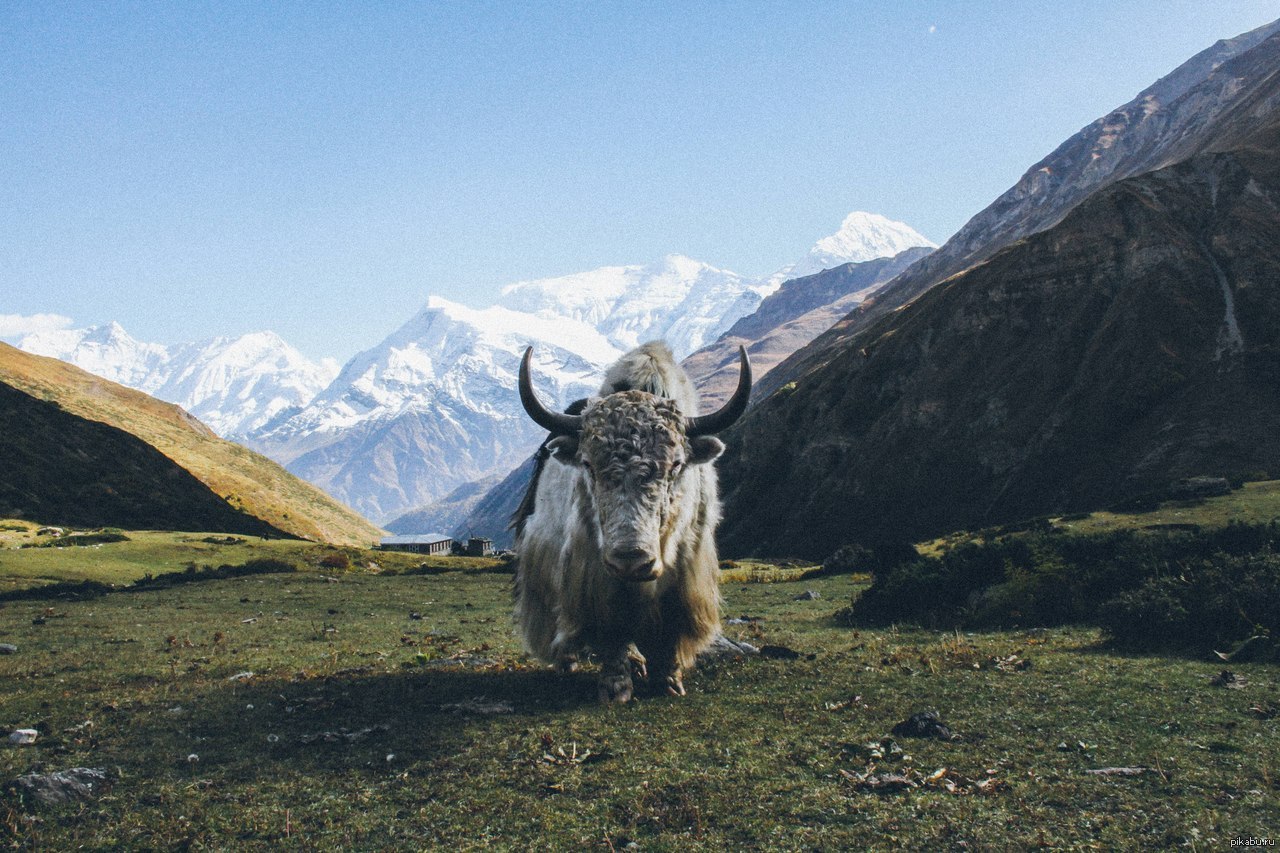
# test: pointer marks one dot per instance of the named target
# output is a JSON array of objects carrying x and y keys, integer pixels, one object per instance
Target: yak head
[{"x": 637, "y": 452}]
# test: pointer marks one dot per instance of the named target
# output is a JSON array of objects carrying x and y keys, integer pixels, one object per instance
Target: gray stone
[
  {"x": 722, "y": 647},
  {"x": 79, "y": 784},
  {"x": 8, "y": 649}
]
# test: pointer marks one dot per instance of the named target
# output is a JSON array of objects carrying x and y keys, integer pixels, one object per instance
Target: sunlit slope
[{"x": 247, "y": 480}]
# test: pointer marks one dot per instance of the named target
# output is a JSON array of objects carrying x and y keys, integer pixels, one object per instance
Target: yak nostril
[{"x": 632, "y": 562}]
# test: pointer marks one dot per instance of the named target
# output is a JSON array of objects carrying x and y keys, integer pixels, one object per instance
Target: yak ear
[
  {"x": 564, "y": 448},
  {"x": 704, "y": 449}
]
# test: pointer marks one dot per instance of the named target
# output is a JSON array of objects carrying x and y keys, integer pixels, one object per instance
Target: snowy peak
[
  {"x": 862, "y": 237},
  {"x": 450, "y": 351},
  {"x": 107, "y": 351},
  {"x": 867, "y": 236},
  {"x": 677, "y": 298},
  {"x": 234, "y": 385}
]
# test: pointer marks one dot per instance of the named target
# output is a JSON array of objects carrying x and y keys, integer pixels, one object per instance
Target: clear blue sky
[{"x": 318, "y": 168}]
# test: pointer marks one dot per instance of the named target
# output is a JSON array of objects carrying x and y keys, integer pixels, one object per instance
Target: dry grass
[{"x": 247, "y": 480}]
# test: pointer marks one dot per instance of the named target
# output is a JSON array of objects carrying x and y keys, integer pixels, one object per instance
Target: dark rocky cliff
[{"x": 1135, "y": 343}]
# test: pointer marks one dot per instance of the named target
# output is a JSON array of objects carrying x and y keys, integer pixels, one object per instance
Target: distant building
[
  {"x": 418, "y": 543},
  {"x": 479, "y": 547}
]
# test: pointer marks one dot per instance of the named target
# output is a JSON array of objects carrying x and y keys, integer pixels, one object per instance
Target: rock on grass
[{"x": 49, "y": 790}]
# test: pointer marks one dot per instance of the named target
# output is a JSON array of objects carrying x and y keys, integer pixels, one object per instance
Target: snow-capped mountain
[
  {"x": 432, "y": 406},
  {"x": 234, "y": 385},
  {"x": 685, "y": 302},
  {"x": 862, "y": 237}
]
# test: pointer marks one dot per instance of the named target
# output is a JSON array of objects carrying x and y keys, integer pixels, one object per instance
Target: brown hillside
[
  {"x": 247, "y": 480},
  {"x": 59, "y": 468}
]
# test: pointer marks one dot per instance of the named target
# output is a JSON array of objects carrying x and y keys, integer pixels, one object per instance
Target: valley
[
  {"x": 363, "y": 710},
  {"x": 997, "y": 522}
]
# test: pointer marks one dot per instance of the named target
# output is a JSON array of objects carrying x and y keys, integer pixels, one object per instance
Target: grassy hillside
[
  {"x": 1252, "y": 503},
  {"x": 297, "y": 711},
  {"x": 247, "y": 480},
  {"x": 67, "y": 470}
]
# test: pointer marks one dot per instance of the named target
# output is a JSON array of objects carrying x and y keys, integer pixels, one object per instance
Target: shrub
[
  {"x": 336, "y": 560},
  {"x": 1214, "y": 602},
  {"x": 857, "y": 558},
  {"x": 1170, "y": 588},
  {"x": 849, "y": 560}
]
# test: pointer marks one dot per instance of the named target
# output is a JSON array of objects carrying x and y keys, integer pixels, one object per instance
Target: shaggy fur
[{"x": 631, "y": 476}]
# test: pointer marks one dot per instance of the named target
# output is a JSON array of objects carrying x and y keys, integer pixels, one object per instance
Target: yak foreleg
[{"x": 616, "y": 669}]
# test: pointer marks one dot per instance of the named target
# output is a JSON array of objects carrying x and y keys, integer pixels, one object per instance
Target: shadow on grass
[
  {"x": 1264, "y": 652},
  {"x": 350, "y": 722}
]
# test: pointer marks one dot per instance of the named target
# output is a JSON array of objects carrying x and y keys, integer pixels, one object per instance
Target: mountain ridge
[
  {"x": 1140, "y": 135},
  {"x": 431, "y": 406}
]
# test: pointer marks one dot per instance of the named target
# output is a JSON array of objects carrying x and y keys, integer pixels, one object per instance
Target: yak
[{"x": 615, "y": 542}]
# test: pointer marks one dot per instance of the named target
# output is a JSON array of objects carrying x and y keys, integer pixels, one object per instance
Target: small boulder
[
  {"x": 782, "y": 653},
  {"x": 723, "y": 648},
  {"x": 808, "y": 595},
  {"x": 8, "y": 649},
  {"x": 1198, "y": 488},
  {"x": 79, "y": 784},
  {"x": 23, "y": 737}
]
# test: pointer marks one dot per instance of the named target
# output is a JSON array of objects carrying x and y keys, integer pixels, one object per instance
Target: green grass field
[
  {"x": 1252, "y": 503},
  {"x": 150, "y": 552},
  {"x": 362, "y": 727}
]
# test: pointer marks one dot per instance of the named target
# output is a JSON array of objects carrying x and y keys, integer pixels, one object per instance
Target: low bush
[
  {"x": 335, "y": 560},
  {"x": 1167, "y": 588},
  {"x": 1213, "y": 602},
  {"x": 857, "y": 559}
]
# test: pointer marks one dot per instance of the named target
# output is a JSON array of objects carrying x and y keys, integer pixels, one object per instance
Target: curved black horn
[
  {"x": 557, "y": 423},
  {"x": 730, "y": 411}
]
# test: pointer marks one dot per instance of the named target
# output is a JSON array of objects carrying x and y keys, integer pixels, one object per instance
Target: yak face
[{"x": 635, "y": 456}]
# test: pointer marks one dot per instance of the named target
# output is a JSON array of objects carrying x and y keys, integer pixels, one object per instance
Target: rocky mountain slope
[
  {"x": 450, "y": 514},
  {"x": 1169, "y": 121},
  {"x": 233, "y": 385},
  {"x": 790, "y": 317},
  {"x": 1135, "y": 343},
  {"x": 248, "y": 482}
]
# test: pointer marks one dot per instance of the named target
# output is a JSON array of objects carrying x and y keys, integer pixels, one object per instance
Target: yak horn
[
  {"x": 730, "y": 411},
  {"x": 555, "y": 422}
]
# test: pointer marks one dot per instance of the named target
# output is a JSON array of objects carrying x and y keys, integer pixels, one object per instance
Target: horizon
[{"x": 213, "y": 171}]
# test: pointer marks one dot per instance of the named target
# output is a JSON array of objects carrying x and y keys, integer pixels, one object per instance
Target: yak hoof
[
  {"x": 639, "y": 666},
  {"x": 615, "y": 688},
  {"x": 567, "y": 665},
  {"x": 675, "y": 686}
]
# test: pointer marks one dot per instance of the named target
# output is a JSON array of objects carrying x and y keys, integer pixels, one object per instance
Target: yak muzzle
[{"x": 634, "y": 565}]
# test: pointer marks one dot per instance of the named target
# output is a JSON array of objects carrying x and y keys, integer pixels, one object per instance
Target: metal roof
[{"x": 416, "y": 539}]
